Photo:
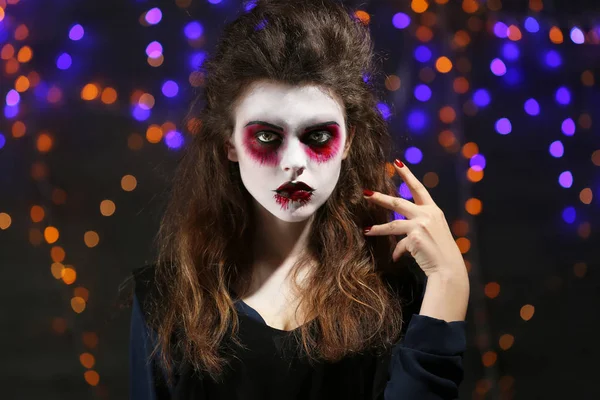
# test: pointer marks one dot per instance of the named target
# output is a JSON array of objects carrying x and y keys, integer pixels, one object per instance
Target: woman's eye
[
  {"x": 321, "y": 136},
  {"x": 268, "y": 135}
]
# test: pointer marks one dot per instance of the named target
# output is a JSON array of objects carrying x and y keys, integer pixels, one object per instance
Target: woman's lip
[{"x": 292, "y": 187}]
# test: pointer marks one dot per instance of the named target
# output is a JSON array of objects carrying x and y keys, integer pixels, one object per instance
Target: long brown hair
[{"x": 205, "y": 236}]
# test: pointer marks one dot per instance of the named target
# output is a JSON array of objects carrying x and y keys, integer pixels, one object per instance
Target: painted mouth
[
  {"x": 289, "y": 192},
  {"x": 291, "y": 187}
]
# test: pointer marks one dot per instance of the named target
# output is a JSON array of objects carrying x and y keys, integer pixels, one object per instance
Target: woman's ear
[
  {"x": 349, "y": 139},
  {"x": 231, "y": 152}
]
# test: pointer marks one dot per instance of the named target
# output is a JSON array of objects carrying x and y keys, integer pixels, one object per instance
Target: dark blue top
[{"x": 425, "y": 364}]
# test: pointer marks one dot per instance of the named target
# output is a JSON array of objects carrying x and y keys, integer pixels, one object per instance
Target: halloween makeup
[{"x": 289, "y": 142}]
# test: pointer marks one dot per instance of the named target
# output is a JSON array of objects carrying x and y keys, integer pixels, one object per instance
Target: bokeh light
[
  {"x": 503, "y": 126},
  {"x": 400, "y": 20},
  {"x": 532, "y": 107}
]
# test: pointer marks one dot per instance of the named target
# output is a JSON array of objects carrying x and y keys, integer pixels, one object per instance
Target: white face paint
[{"x": 288, "y": 134}]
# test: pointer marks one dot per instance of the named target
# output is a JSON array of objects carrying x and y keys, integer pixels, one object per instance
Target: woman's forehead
[{"x": 288, "y": 104}]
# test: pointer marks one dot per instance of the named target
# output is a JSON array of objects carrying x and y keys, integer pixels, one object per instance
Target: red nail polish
[
  {"x": 367, "y": 229},
  {"x": 368, "y": 192},
  {"x": 398, "y": 163}
]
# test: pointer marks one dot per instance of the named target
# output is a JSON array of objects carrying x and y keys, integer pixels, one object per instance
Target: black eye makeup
[{"x": 319, "y": 137}]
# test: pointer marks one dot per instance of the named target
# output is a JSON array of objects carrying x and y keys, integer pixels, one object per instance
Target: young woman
[{"x": 279, "y": 274}]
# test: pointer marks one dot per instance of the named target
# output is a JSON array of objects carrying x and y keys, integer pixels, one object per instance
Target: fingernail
[
  {"x": 368, "y": 192},
  {"x": 398, "y": 163},
  {"x": 367, "y": 229}
]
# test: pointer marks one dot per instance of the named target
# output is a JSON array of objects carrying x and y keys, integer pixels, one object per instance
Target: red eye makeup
[{"x": 264, "y": 141}]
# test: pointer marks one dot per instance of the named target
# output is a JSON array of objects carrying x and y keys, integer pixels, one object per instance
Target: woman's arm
[{"x": 427, "y": 363}]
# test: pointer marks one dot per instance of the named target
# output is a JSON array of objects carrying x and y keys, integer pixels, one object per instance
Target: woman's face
[{"x": 294, "y": 135}]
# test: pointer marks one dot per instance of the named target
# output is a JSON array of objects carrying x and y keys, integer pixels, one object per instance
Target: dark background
[{"x": 519, "y": 241}]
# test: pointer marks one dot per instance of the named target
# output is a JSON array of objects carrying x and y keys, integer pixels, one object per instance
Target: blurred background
[{"x": 493, "y": 104}]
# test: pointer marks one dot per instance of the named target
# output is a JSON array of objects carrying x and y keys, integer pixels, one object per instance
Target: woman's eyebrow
[{"x": 307, "y": 128}]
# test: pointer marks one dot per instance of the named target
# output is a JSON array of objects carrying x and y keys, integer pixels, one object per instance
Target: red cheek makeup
[{"x": 269, "y": 153}]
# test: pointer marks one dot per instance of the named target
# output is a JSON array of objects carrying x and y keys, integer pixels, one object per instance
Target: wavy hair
[{"x": 204, "y": 239}]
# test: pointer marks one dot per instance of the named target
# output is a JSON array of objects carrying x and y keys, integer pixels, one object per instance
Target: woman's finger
[
  {"x": 417, "y": 189},
  {"x": 398, "y": 204},
  {"x": 396, "y": 227}
]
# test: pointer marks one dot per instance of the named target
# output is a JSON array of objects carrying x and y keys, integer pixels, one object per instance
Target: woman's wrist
[{"x": 446, "y": 296}]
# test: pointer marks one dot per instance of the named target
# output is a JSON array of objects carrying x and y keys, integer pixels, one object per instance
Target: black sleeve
[
  {"x": 427, "y": 363},
  {"x": 147, "y": 379}
]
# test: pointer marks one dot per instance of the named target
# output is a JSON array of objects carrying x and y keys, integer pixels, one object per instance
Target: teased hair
[{"x": 204, "y": 240}]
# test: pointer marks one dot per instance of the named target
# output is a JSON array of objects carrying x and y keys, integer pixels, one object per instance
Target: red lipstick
[{"x": 299, "y": 192}]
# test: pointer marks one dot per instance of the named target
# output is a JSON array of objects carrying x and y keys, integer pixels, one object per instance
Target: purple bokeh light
[
  {"x": 76, "y": 32},
  {"x": 532, "y": 107},
  {"x": 12, "y": 98},
  {"x": 400, "y": 20},
  {"x": 503, "y": 126},
  {"x": 154, "y": 50},
  {"x": 557, "y": 149},
  {"x": 422, "y": 92},
  {"x": 153, "y": 16},
  {"x": 174, "y": 140},
  {"x": 498, "y": 67},
  {"x": 2, "y": 140},
  {"x": 568, "y": 127},
  {"x": 64, "y": 61},
  {"x": 566, "y": 179},
  {"x": 478, "y": 162},
  {"x": 193, "y": 30},
  {"x": 501, "y": 30},
  {"x": 170, "y": 89},
  {"x": 413, "y": 155},
  {"x": 577, "y": 36}
]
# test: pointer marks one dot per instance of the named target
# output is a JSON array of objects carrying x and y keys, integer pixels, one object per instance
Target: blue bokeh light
[
  {"x": 510, "y": 51},
  {"x": 531, "y": 25},
  {"x": 64, "y": 61},
  {"x": 193, "y": 30},
  {"x": 422, "y": 54},
  {"x": 553, "y": 59},
  {"x": 417, "y": 120},
  {"x": 384, "y": 109},
  {"x": 481, "y": 97},
  {"x": 413, "y": 155},
  {"x": 569, "y": 215},
  {"x": 400, "y": 20},
  {"x": 563, "y": 96},
  {"x": 532, "y": 107},
  {"x": 422, "y": 92}
]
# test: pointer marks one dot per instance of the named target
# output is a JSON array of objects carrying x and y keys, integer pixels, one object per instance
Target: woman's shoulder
[{"x": 146, "y": 287}]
